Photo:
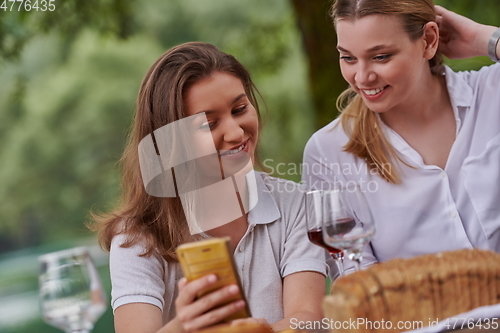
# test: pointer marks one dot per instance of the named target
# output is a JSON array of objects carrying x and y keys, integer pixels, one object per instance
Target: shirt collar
[
  {"x": 460, "y": 91},
  {"x": 461, "y": 95},
  {"x": 266, "y": 210}
]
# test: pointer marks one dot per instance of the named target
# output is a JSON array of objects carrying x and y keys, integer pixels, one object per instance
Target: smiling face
[
  {"x": 231, "y": 119},
  {"x": 381, "y": 63}
]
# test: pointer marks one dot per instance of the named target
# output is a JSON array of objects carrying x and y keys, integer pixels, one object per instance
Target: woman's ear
[{"x": 431, "y": 39}]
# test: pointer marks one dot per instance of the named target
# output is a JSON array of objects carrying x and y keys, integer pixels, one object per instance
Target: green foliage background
[
  {"x": 68, "y": 83},
  {"x": 66, "y": 105}
]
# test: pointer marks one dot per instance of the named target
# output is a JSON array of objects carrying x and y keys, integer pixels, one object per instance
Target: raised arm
[{"x": 461, "y": 37}]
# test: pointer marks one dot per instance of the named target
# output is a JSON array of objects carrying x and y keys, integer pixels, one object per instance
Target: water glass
[
  {"x": 347, "y": 221},
  {"x": 70, "y": 291}
]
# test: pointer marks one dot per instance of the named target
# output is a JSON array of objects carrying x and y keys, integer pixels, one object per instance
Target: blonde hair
[{"x": 366, "y": 138}]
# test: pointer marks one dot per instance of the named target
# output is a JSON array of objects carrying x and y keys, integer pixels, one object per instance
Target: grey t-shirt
[{"x": 274, "y": 246}]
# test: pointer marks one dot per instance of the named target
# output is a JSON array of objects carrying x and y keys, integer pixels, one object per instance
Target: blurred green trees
[
  {"x": 67, "y": 100},
  {"x": 69, "y": 79},
  {"x": 21, "y": 22},
  {"x": 320, "y": 45},
  {"x": 68, "y": 82}
]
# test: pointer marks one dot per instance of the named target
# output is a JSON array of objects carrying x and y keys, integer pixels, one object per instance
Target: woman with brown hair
[
  {"x": 195, "y": 135},
  {"x": 421, "y": 140}
]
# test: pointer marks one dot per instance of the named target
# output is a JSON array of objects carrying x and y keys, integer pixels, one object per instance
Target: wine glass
[
  {"x": 314, "y": 219},
  {"x": 70, "y": 290},
  {"x": 347, "y": 221}
]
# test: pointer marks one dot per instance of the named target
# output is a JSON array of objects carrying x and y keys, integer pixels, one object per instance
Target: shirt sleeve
[
  {"x": 299, "y": 254},
  {"x": 314, "y": 168},
  {"x": 135, "y": 279},
  {"x": 484, "y": 78}
]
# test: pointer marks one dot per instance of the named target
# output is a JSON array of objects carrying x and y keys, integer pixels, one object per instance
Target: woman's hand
[
  {"x": 461, "y": 37},
  {"x": 194, "y": 314},
  {"x": 249, "y": 321}
]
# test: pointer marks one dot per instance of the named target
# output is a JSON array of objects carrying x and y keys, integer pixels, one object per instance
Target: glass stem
[
  {"x": 340, "y": 264},
  {"x": 357, "y": 257},
  {"x": 339, "y": 260},
  {"x": 357, "y": 264}
]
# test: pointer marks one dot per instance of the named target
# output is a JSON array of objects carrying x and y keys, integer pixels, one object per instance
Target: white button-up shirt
[{"x": 433, "y": 209}]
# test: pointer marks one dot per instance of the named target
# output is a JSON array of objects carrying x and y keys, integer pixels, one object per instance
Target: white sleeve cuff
[
  {"x": 136, "y": 299},
  {"x": 305, "y": 265}
]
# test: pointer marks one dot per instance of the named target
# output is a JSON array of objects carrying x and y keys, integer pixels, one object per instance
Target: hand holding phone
[{"x": 198, "y": 259}]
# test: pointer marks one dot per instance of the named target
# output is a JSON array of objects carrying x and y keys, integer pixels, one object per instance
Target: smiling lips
[
  {"x": 373, "y": 93},
  {"x": 234, "y": 151}
]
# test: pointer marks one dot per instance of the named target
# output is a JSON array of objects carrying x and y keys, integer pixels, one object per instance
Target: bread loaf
[{"x": 424, "y": 289}]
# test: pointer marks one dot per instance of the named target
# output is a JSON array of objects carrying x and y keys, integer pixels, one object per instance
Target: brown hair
[
  {"x": 160, "y": 223},
  {"x": 366, "y": 138}
]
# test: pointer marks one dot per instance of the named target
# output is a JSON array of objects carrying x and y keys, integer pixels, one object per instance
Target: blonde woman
[{"x": 420, "y": 139}]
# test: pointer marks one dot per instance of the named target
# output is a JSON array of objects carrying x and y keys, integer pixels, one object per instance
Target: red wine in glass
[{"x": 316, "y": 237}]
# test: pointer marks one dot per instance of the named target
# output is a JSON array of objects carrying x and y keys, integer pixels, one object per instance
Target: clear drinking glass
[
  {"x": 70, "y": 291},
  {"x": 347, "y": 221},
  {"x": 314, "y": 219}
]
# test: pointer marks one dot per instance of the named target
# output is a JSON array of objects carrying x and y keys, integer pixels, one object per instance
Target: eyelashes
[
  {"x": 383, "y": 57},
  {"x": 209, "y": 125},
  {"x": 379, "y": 58}
]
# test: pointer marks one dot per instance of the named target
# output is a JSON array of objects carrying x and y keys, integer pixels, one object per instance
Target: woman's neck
[
  {"x": 234, "y": 229},
  {"x": 426, "y": 104},
  {"x": 429, "y": 126}
]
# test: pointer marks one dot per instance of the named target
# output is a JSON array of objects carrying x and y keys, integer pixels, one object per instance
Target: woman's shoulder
[
  {"x": 126, "y": 244},
  {"x": 283, "y": 191},
  {"x": 285, "y": 198},
  {"x": 331, "y": 135},
  {"x": 480, "y": 76},
  {"x": 333, "y": 128},
  {"x": 327, "y": 144},
  {"x": 272, "y": 182}
]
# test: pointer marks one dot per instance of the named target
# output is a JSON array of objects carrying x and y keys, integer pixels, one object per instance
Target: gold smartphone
[{"x": 212, "y": 256}]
